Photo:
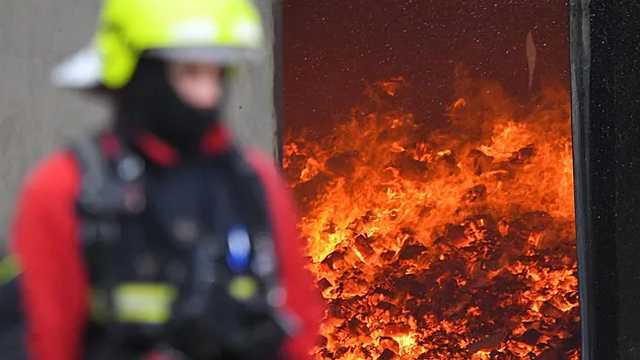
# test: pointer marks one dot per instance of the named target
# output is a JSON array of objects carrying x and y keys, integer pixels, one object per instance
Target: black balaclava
[{"x": 149, "y": 103}]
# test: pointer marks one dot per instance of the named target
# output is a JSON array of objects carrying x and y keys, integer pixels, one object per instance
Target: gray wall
[{"x": 35, "y": 118}]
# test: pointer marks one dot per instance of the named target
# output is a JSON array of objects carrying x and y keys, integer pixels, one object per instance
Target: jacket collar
[{"x": 216, "y": 141}]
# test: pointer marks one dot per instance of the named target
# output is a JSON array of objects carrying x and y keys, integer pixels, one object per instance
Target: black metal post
[
  {"x": 278, "y": 75},
  {"x": 605, "y": 50}
]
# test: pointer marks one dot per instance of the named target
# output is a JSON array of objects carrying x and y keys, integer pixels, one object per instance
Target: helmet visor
[
  {"x": 83, "y": 70},
  {"x": 223, "y": 56}
]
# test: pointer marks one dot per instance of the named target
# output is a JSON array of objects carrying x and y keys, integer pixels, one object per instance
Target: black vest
[{"x": 180, "y": 259}]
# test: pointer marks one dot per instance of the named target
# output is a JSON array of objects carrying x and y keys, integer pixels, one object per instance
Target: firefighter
[{"x": 158, "y": 237}]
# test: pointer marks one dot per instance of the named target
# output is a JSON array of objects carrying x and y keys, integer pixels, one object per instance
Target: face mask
[{"x": 149, "y": 103}]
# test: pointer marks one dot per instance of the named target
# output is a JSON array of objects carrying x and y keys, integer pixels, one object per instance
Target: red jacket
[{"x": 55, "y": 280}]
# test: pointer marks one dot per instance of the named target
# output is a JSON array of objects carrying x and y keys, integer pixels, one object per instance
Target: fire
[{"x": 449, "y": 242}]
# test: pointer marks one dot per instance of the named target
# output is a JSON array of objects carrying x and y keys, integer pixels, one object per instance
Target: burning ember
[{"x": 455, "y": 242}]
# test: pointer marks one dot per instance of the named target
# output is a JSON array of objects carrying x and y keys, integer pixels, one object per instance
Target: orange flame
[{"x": 453, "y": 243}]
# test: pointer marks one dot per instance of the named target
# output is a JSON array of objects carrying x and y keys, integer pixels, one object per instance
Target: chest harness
[{"x": 181, "y": 260}]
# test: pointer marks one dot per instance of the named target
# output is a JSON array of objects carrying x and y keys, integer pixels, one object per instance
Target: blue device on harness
[{"x": 239, "y": 249}]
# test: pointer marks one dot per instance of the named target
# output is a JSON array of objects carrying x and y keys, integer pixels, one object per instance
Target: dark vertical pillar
[
  {"x": 606, "y": 105},
  {"x": 580, "y": 65},
  {"x": 278, "y": 75}
]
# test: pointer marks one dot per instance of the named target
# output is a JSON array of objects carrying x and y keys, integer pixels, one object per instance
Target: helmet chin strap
[{"x": 150, "y": 103}]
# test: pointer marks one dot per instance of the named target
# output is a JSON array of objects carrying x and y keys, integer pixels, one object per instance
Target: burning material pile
[{"x": 449, "y": 242}]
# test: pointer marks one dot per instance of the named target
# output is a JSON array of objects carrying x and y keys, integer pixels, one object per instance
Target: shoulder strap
[
  {"x": 251, "y": 189},
  {"x": 93, "y": 171},
  {"x": 103, "y": 192}
]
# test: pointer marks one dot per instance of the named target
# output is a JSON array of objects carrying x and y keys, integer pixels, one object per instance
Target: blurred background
[{"x": 36, "y": 118}]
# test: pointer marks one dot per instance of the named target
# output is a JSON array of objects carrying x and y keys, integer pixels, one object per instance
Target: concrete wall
[
  {"x": 35, "y": 118},
  {"x": 251, "y": 112}
]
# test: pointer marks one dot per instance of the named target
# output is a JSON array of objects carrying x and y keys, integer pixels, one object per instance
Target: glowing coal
[{"x": 454, "y": 243}]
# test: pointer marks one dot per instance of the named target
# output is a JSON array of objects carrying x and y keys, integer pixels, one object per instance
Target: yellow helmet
[{"x": 227, "y": 32}]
